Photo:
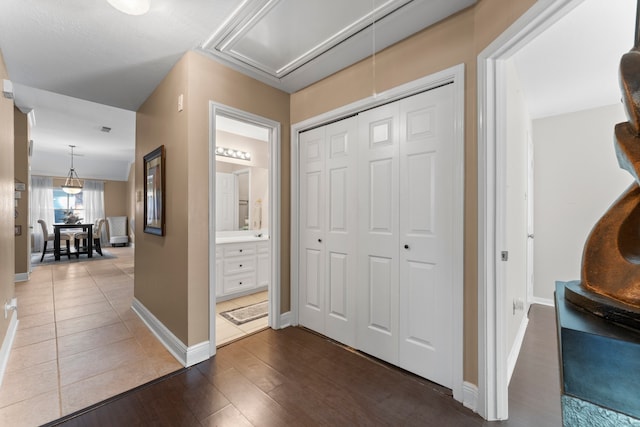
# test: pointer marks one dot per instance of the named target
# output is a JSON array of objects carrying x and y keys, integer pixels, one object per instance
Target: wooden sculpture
[{"x": 610, "y": 276}]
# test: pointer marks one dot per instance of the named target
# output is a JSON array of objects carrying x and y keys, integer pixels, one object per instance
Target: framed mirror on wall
[{"x": 154, "y": 188}]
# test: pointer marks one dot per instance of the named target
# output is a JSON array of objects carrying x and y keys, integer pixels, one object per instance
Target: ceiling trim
[
  {"x": 245, "y": 20},
  {"x": 394, "y": 20}
]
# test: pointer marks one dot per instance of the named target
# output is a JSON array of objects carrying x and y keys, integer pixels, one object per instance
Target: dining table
[{"x": 88, "y": 228}]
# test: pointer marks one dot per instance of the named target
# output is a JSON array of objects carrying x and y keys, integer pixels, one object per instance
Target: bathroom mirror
[{"x": 241, "y": 195}]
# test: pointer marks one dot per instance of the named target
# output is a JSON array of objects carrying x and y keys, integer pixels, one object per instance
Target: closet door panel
[
  {"x": 426, "y": 177},
  {"x": 378, "y": 237},
  {"x": 338, "y": 286},
  {"x": 312, "y": 221},
  {"x": 341, "y": 231},
  {"x": 380, "y": 288}
]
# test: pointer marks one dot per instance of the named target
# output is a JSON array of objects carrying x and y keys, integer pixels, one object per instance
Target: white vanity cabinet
[
  {"x": 263, "y": 272},
  {"x": 241, "y": 268}
]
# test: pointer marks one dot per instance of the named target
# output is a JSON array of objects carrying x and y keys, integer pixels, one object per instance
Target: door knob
[
  {"x": 319, "y": 240},
  {"x": 406, "y": 246}
]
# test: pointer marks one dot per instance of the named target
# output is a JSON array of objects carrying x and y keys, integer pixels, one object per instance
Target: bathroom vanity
[{"x": 243, "y": 262}]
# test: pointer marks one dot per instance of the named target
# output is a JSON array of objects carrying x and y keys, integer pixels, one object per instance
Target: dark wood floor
[{"x": 294, "y": 377}]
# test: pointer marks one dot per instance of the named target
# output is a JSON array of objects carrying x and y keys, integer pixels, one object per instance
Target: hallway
[
  {"x": 78, "y": 341},
  {"x": 295, "y": 377}
]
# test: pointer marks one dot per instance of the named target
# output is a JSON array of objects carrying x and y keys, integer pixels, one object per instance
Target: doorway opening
[{"x": 244, "y": 225}]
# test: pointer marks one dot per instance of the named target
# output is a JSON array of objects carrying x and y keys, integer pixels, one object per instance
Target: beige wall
[
  {"x": 161, "y": 272},
  {"x": 7, "y": 247},
  {"x": 211, "y": 81},
  {"x": 115, "y": 198},
  {"x": 21, "y": 169},
  {"x": 175, "y": 283},
  {"x": 456, "y": 40}
]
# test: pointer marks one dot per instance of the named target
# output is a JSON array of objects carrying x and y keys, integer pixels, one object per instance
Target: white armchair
[{"x": 118, "y": 230}]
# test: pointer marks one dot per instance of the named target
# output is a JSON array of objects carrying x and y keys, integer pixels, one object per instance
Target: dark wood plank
[
  {"x": 293, "y": 377},
  {"x": 534, "y": 390}
]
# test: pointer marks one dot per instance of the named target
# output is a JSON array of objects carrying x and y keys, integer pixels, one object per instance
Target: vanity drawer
[
  {"x": 238, "y": 283},
  {"x": 239, "y": 250},
  {"x": 239, "y": 264}
]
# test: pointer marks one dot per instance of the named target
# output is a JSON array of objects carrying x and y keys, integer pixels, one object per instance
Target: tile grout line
[{"x": 55, "y": 336}]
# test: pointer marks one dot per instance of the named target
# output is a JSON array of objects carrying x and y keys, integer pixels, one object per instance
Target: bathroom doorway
[{"x": 244, "y": 262}]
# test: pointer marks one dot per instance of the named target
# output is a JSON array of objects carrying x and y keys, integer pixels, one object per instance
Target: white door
[
  {"x": 328, "y": 218},
  {"x": 341, "y": 236},
  {"x": 312, "y": 272},
  {"x": 226, "y": 201},
  {"x": 377, "y": 301},
  {"x": 530, "y": 207},
  {"x": 403, "y": 246},
  {"x": 426, "y": 235}
]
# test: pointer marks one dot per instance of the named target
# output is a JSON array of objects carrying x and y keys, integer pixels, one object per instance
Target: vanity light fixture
[
  {"x": 131, "y": 7},
  {"x": 72, "y": 183},
  {"x": 234, "y": 154}
]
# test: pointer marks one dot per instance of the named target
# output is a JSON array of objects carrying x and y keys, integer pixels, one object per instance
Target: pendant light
[{"x": 72, "y": 183}]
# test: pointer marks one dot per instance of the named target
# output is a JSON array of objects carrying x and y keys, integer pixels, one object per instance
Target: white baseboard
[
  {"x": 285, "y": 320},
  {"x": 515, "y": 348},
  {"x": 470, "y": 396},
  {"x": 187, "y": 356},
  {"x": 543, "y": 301},
  {"x": 7, "y": 344},
  {"x": 21, "y": 277}
]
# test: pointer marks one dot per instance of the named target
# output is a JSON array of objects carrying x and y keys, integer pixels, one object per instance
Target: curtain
[
  {"x": 93, "y": 199},
  {"x": 41, "y": 208}
]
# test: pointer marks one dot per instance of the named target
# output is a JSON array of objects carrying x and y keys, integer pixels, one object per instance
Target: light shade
[
  {"x": 131, "y": 7},
  {"x": 72, "y": 184},
  {"x": 234, "y": 154}
]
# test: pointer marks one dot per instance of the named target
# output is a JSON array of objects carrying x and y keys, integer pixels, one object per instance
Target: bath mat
[{"x": 239, "y": 316}]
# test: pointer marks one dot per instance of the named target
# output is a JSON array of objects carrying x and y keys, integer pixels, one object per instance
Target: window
[{"x": 63, "y": 202}]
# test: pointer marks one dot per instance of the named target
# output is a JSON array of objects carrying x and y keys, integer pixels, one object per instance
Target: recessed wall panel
[
  {"x": 313, "y": 151},
  {"x": 421, "y": 191},
  {"x": 380, "y": 133},
  {"x": 338, "y": 285},
  {"x": 380, "y": 196},
  {"x": 312, "y": 193},
  {"x": 313, "y": 284},
  {"x": 421, "y": 124},
  {"x": 420, "y": 303},
  {"x": 380, "y": 294},
  {"x": 338, "y": 200},
  {"x": 338, "y": 146}
]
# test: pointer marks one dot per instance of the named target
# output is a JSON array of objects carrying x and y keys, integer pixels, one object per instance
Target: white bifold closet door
[
  {"x": 329, "y": 232},
  {"x": 376, "y": 232},
  {"x": 405, "y": 278}
]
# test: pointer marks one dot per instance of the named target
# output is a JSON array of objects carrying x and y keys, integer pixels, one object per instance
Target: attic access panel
[{"x": 279, "y": 36}]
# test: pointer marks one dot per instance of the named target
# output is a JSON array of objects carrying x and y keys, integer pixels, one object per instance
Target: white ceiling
[
  {"x": 80, "y": 64},
  {"x": 78, "y": 54},
  {"x": 573, "y": 65}
]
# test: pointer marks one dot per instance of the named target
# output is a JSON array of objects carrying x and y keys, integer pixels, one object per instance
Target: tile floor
[
  {"x": 226, "y": 331},
  {"x": 78, "y": 341}
]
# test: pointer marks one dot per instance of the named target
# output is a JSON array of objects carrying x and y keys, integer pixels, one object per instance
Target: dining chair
[
  {"x": 49, "y": 237},
  {"x": 82, "y": 236}
]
